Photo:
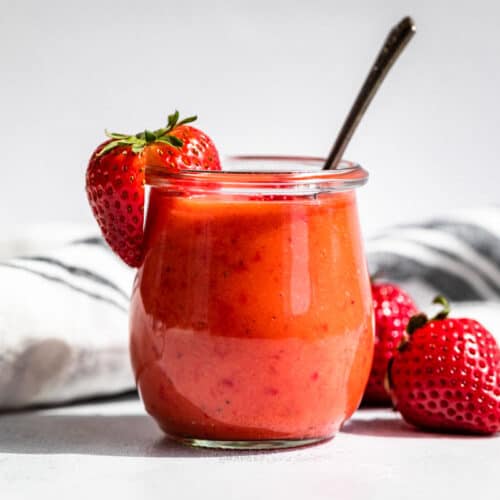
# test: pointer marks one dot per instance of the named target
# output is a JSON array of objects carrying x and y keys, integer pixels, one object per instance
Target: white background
[{"x": 265, "y": 77}]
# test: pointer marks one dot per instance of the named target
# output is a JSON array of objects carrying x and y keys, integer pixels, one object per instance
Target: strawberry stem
[{"x": 440, "y": 299}]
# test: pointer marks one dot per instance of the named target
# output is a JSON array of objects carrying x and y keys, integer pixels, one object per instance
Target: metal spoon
[{"x": 394, "y": 44}]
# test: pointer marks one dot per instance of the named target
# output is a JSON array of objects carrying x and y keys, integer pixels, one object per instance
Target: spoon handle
[{"x": 394, "y": 44}]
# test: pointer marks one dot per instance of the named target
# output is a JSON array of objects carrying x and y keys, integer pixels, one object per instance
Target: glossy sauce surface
[{"x": 251, "y": 318}]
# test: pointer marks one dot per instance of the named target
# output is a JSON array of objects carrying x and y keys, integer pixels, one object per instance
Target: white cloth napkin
[
  {"x": 63, "y": 323},
  {"x": 63, "y": 313}
]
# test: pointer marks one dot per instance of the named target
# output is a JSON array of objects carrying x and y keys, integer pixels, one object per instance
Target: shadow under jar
[{"x": 251, "y": 315}]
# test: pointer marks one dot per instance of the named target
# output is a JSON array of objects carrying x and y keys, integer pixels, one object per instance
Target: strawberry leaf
[
  {"x": 416, "y": 322},
  {"x": 149, "y": 136},
  {"x": 112, "y": 145},
  {"x": 160, "y": 132},
  {"x": 172, "y": 120},
  {"x": 172, "y": 140},
  {"x": 113, "y": 135},
  {"x": 189, "y": 119}
]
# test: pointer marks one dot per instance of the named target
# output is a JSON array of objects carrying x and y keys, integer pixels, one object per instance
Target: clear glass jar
[{"x": 251, "y": 315}]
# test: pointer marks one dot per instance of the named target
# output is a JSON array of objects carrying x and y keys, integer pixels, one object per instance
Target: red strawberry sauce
[{"x": 251, "y": 319}]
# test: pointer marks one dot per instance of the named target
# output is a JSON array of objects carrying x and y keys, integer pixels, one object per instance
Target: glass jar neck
[{"x": 261, "y": 176}]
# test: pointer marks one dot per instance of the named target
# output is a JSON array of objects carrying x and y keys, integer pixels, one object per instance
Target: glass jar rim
[{"x": 301, "y": 174}]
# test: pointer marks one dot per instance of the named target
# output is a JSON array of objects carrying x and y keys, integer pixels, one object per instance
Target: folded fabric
[
  {"x": 64, "y": 322},
  {"x": 457, "y": 255},
  {"x": 63, "y": 325}
]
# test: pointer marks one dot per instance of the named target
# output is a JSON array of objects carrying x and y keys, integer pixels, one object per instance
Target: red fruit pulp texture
[
  {"x": 447, "y": 378},
  {"x": 393, "y": 308},
  {"x": 251, "y": 319}
]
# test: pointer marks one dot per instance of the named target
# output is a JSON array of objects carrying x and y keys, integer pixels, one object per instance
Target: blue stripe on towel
[
  {"x": 75, "y": 288},
  {"x": 80, "y": 272}
]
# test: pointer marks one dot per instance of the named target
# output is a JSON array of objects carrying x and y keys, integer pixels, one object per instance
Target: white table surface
[{"x": 113, "y": 449}]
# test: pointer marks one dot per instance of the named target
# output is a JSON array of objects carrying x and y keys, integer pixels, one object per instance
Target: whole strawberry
[
  {"x": 393, "y": 308},
  {"x": 446, "y": 375},
  {"x": 116, "y": 175}
]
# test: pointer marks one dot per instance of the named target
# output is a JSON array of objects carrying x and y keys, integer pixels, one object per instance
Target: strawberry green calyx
[
  {"x": 419, "y": 320},
  {"x": 139, "y": 141},
  {"x": 416, "y": 322}
]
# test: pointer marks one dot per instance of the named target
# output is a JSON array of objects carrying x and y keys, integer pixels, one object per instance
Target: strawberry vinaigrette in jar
[{"x": 251, "y": 315}]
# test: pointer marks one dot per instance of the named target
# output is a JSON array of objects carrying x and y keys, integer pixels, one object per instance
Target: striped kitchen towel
[
  {"x": 63, "y": 324},
  {"x": 457, "y": 255},
  {"x": 63, "y": 313}
]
